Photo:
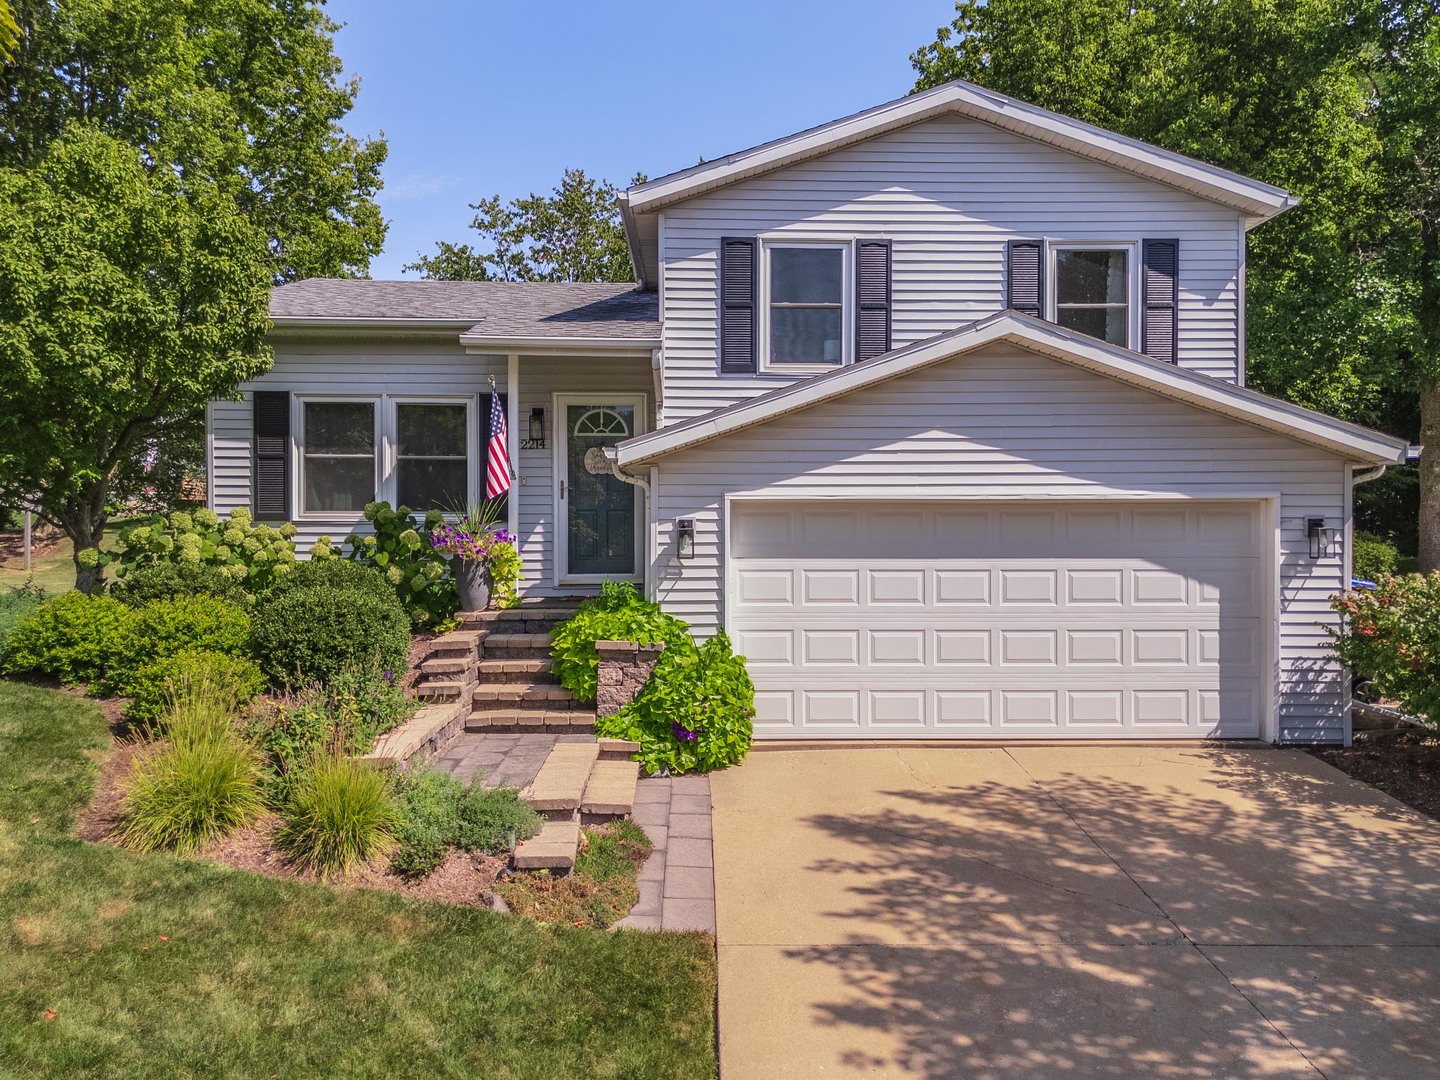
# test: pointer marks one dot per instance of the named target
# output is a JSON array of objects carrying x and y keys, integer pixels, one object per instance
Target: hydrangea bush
[
  {"x": 250, "y": 554},
  {"x": 401, "y": 550}
]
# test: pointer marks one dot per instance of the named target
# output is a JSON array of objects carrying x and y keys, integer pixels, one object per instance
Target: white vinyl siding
[
  {"x": 1008, "y": 425},
  {"x": 417, "y": 370},
  {"x": 948, "y": 193}
]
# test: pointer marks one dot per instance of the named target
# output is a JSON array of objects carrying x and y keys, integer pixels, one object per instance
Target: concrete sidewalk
[{"x": 1043, "y": 912}]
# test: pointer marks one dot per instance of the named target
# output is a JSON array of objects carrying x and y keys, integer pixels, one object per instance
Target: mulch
[
  {"x": 463, "y": 878},
  {"x": 1402, "y": 762}
]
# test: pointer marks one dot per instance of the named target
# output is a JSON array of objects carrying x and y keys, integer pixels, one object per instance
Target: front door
[{"x": 599, "y": 511}]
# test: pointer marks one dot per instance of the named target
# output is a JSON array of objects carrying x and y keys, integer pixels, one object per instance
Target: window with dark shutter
[
  {"x": 872, "y": 294},
  {"x": 1160, "y": 296},
  {"x": 1025, "y": 276},
  {"x": 272, "y": 455},
  {"x": 738, "y": 302}
]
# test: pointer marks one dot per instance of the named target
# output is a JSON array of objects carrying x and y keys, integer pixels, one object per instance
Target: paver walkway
[
  {"x": 1044, "y": 913},
  {"x": 677, "y": 882},
  {"x": 509, "y": 760}
]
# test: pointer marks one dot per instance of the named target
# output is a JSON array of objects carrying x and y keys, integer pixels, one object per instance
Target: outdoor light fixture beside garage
[
  {"x": 1322, "y": 539},
  {"x": 685, "y": 538}
]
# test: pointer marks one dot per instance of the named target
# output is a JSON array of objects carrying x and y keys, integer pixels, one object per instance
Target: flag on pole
[{"x": 497, "y": 452}]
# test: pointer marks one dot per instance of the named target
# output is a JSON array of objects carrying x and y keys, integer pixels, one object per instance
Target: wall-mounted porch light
[
  {"x": 685, "y": 538},
  {"x": 1322, "y": 539},
  {"x": 537, "y": 424}
]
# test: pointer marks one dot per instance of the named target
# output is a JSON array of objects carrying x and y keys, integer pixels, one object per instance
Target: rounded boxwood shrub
[
  {"x": 166, "y": 581},
  {"x": 72, "y": 637},
  {"x": 337, "y": 573},
  {"x": 155, "y": 685},
  {"x": 313, "y": 633},
  {"x": 163, "y": 628}
]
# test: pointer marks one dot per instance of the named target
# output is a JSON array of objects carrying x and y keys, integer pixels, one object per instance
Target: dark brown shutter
[
  {"x": 872, "y": 294},
  {"x": 1025, "y": 277},
  {"x": 485, "y": 450},
  {"x": 1160, "y": 288},
  {"x": 739, "y": 281},
  {"x": 272, "y": 455}
]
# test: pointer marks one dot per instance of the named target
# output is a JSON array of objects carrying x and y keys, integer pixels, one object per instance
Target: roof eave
[
  {"x": 388, "y": 325},
  {"x": 559, "y": 346},
  {"x": 1335, "y": 436},
  {"x": 633, "y": 242}
]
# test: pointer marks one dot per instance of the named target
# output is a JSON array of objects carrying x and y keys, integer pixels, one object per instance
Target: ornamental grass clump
[
  {"x": 202, "y": 783},
  {"x": 340, "y": 815}
]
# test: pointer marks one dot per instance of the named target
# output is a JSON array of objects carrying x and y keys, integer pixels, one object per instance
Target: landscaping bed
[
  {"x": 123, "y": 963},
  {"x": 1402, "y": 762}
]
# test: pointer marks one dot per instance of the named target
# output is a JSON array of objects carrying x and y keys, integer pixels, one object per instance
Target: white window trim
[
  {"x": 1132, "y": 280},
  {"x": 847, "y": 303},
  {"x": 385, "y": 446}
]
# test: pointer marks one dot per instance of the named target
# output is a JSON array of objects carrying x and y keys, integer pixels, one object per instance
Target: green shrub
[
  {"x": 204, "y": 783},
  {"x": 334, "y": 573},
  {"x": 315, "y": 632},
  {"x": 437, "y": 812},
  {"x": 340, "y": 815},
  {"x": 695, "y": 713},
  {"x": 1373, "y": 557},
  {"x": 617, "y": 614},
  {"x": 72, "y": 637},
  {"x": 345, "y": 716},
  {"x": 250, "y": 554},
  {"x": 16, "y": 602},
  {"x": 154, "y": 687},
  {"x": 1391, "y": 634},
  {"x": 399, "y": 548},
  {"x": 163, "y": 628},
  {"x": 169, "y": 580}
]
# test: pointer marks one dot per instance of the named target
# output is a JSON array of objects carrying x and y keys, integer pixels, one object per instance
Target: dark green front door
[{"x": 601, "y": 540}]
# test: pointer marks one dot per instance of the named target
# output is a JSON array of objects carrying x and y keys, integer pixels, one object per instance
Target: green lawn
[
  {"x": 261, "y": 977},
  {"x": 55, "y": 573}
]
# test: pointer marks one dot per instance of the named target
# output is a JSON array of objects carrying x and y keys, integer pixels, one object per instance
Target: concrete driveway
[{"x": 1049, "y": 912}]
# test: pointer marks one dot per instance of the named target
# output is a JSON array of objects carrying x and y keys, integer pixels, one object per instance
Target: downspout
[
  {"x": 612, "y": 457},
  {"x": 657, "y": 373}
]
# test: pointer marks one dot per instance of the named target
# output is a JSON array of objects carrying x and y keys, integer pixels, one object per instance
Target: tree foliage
[
  {"x": 9, "y": 31},
  {"x": 162, "y": 163},
  {"x": 1332, "y": 99},
  {"x": 572, "y": 234}
]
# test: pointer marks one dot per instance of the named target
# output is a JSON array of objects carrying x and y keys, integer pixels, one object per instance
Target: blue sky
[{"x": 484, "y": 97}]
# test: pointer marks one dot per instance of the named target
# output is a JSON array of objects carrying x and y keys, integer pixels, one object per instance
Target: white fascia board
[
  {"x": 1337, "y": 436},
  {"x": 1258, "y": 201},
  {"x": 429, "y": 326},
  {"x": 549, "y": 346}
]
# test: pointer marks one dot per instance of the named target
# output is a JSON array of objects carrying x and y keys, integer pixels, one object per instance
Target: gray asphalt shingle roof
[{"x": 502, "y": 309}]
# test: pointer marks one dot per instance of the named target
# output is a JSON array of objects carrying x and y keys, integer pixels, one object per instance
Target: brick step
[
  {"x": 514, "y": 671},
  {"x": 560, "y": 783},
  {"x": 438, "y": 667},
  {"x": 526, "y": 697},
  {"x": 461, "y": 644},
  {"x": 516, "y": 620},
  {"x": 502, "y": 721},
  {"x": 444, "y": 690},
  {"x": 515, "y": 647},
  {"x": 617, "y": 749},
  {"x": 610, "y": 791},
  {"x": 553, "y": 848}
]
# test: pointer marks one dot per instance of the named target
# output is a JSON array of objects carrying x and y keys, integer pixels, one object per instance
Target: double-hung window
[
  {"x": 806, "y": 317},
  {"x": 411, "y": 451},
  {"x": 1094, "y": 286}
]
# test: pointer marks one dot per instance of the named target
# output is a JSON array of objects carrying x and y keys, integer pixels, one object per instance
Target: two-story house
[{"x": 939, "y": 409}]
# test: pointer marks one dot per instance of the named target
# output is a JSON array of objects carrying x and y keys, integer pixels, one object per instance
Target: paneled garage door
[{"x": 952, "y": 620}]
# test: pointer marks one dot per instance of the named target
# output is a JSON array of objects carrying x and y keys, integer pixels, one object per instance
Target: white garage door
[{"x": 952, "y": 620}]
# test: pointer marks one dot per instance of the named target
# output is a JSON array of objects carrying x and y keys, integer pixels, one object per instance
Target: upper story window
[
  {"x": 1093, "y": 293},
  {"x": 805, "y": 305}
]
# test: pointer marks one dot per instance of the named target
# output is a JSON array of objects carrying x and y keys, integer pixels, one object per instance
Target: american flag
[{"x": 497, "y": 453}]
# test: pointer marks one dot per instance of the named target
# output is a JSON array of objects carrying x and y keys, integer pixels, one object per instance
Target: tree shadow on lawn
[{"x": 1011, "y": 943}]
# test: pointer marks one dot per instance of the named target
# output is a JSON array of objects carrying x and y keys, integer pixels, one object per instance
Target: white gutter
[
  {"x": 657, "y": 371},
  {"x": 552, "y": 346}
]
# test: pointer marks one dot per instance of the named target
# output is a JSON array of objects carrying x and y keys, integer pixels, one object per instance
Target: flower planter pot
[{"x": 472, "y": 578}]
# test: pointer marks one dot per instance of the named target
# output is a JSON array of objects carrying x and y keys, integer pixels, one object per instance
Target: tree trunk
[
  {"x": 1430, "y": 475},
  {"x": 83, "y": 520}
]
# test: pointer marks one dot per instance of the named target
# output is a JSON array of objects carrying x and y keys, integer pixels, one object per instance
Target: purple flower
[
  {"x": 389, "y": 676},
  {"x": 682, "y": 733}
]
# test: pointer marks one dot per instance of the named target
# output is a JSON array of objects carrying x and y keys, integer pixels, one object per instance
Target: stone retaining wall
[{"x": 625, "y": 667}]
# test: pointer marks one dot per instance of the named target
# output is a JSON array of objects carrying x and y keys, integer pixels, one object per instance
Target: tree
[
  {"x": 128, "y": 297},
  {"x": 9, "y": 31},
  {"x": 1331, "y": 100},
  {"x": 162, "y": 163},
  {"x": 573, "y": 234}
]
